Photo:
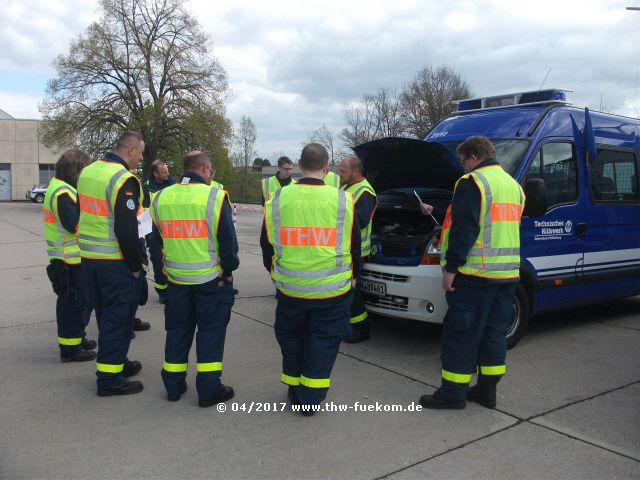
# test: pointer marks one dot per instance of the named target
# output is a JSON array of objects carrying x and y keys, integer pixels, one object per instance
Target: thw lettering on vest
[
  {"x": 93, "y": 206},
  {"x": 308, "y": 236},
  {"x": 183, "y": 228},
  {"x": 505, "y": 212}
]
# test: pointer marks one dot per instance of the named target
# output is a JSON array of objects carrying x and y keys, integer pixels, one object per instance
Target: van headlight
[{"x": 431, "y": 255}]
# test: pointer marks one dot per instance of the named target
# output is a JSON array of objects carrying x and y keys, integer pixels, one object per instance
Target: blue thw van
[{"x": 582, "y": 247}]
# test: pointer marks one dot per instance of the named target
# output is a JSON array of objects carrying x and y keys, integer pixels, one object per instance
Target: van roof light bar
[{"x": 552, "y": 95}]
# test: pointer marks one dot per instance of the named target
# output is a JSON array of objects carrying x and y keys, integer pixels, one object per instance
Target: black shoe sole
[{"x": 113, "y": 392}]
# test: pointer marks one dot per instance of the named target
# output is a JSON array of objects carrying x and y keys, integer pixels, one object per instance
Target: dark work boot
[
  {"x": 88, "y": 344},
  {"x": 293, "y": 395},
  {"x": 174, "y": 397},
  {"x": 223, "y": 395},
  {"x": 81, "y": 356},
  {"x": 131, "y": 367},
  {"x": 437, "y": 402},
  {"x": 125, "y": 388},
  {"x": 359, "y": 334},
  {"x": 139, "y": 325},
  {"x": 483, "y": 394}
]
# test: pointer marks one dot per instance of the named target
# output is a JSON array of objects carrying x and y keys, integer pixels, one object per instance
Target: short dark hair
[
  {"x": 71, "y": 163},
  {"x": 313, "y": 157},
  {"x": 284, "y": 161},
  {"x": 128, "y": 138},
  {"x": 476, "y": 145},
  {"x": 195, "y": 159},
  {"x": 156, "y": 163}
]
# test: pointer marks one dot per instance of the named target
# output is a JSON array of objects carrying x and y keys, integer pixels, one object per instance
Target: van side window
[
  {"x": 614, "y": 177},
  {"x": 556, "y": 164}
]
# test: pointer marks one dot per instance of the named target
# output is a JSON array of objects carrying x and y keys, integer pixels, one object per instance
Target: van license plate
[{"x": 376, "y": 288}]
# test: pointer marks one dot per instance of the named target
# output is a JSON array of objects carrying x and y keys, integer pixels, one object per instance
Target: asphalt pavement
[{"x": 568, "y": 408}]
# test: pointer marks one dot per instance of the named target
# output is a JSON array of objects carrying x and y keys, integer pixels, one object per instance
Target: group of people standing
[{"x": 316, "y": 232}]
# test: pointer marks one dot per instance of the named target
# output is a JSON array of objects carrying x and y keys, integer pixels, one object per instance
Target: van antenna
[{"x": 545, "y": 79}]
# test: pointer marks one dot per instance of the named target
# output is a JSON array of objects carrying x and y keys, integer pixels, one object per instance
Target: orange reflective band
[
  {"x": 308, "y": 236},
  {"x": 505, "y": 212},
  {"x": 48, "y": 216},
  {"x": 93, "y": 206},
  {"x": 183, "y": 228}
]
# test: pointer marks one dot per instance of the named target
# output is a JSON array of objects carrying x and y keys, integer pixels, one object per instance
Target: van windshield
[{"x": 508, "y": 152}]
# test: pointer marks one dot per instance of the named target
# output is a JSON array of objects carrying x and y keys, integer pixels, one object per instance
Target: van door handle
[{"x": 581, "y": 229}]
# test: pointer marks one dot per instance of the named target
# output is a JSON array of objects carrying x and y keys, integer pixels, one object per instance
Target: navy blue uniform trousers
[
  {"x": 309, "y": 333},
  {"x": 114, "y": 293},
  {"x": 359, "y": 316},
  {"x": 72, "y": 312},
  {"x": 208, "y": 307},
  {"x": 474, "y": 333}
]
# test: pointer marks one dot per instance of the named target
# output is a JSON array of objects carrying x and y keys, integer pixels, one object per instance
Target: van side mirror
[{"x": 535, "y": 205}]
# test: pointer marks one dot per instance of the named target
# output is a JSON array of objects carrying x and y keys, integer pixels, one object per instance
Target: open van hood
[{"x": 395, "y": 162}]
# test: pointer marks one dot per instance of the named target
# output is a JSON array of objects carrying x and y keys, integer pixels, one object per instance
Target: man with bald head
[
  {"x": 193, "y": 221},
  {"x": 364, "y": 196}
]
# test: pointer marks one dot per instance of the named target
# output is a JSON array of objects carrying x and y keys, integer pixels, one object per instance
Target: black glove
[
  {"x": 60, "y": 278},
  {"x": 143, "y": 288}
]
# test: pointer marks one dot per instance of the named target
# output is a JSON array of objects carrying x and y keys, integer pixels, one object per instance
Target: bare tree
[
  {"x": 245, "y": 141},
  {"x": 376, "y": 116},
  {"x": 325, "y": 137},
  {"x": 429, "y": 98},
  {"x": 144, "y": 66}
]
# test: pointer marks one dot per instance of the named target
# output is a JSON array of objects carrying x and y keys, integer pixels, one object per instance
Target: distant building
[{"x": 24, "y": 161}]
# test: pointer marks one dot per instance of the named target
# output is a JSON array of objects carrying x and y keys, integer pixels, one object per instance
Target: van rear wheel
[{"x": 519, "y": 317}]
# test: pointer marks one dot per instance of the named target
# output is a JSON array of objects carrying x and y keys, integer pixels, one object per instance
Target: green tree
[{"x": 145, "y": 66}]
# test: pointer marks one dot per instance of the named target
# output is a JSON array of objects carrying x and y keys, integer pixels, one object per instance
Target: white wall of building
[{"x": 20, "y": 148}]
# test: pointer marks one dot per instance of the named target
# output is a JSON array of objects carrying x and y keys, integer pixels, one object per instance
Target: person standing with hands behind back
[
  {"x": 480, "y": 244},
  {"x": 61, "y": 212},
  {"x": 194, "y": 223},
  {"x": 108, "y": 237}
]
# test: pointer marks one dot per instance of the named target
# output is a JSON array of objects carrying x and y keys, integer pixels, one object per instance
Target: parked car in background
[{"x": 36, "y": 194}]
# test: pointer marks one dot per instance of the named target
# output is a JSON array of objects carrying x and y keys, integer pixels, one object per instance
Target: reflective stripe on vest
[
  {"x": 187, "y": 217},
  {"x": 61, "y": 245},
  {"x": 309, "y": 227},
  {"x": 98, "y": 189},
  {"x": 357, "y": 189},
  {"x": 332, "y": 179},
  {"x": 496, "y": 252},
  {"x": 271, "y": 185}
]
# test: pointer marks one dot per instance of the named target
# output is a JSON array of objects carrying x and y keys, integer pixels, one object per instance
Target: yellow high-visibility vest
[
  {"x": 98, "y": 188},
  {"x": 357, "y": 189},
  {"x": 310, "y": 227},
  {"x": 187, "y": 217},
  {"x": 496, "y": 251},
  {"x": 61, "y": 245}
]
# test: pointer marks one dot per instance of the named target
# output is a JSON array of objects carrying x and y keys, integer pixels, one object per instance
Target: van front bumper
[{"x": 414, "y": 293}]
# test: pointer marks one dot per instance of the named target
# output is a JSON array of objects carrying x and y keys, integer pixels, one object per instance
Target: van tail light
[{"x": 431, "y": 255}]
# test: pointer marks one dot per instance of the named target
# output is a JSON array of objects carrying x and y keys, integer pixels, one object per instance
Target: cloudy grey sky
[{"x": 293, "y": 65}]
